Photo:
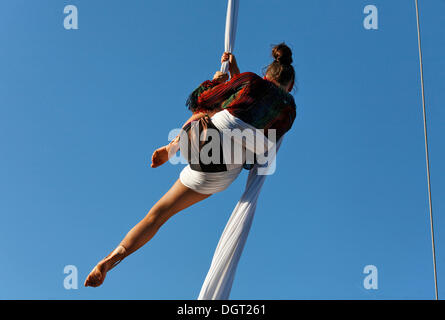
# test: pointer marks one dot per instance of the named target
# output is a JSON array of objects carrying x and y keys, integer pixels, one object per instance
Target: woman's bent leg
[{"x": 178, "y": 198}]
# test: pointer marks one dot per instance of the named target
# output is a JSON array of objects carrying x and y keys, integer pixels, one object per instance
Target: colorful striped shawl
[{"x": 247, "y": 96}]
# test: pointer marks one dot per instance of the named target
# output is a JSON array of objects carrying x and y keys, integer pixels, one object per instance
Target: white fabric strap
[
  {"x": 231, "y": 23},
  {"x": 256, "y": 143},
  {"x": 219, "y": 280}
]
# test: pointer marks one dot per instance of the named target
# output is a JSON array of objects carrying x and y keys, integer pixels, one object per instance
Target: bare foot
[{"x": 97, "y": 275}]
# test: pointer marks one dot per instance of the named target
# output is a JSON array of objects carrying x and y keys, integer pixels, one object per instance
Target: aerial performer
[{"x": 246, "y": 100}]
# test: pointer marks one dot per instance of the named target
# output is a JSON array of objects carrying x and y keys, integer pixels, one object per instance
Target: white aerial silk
[
  {"x": 219, "y": 279},
  {"x": 231, "y": 22}
]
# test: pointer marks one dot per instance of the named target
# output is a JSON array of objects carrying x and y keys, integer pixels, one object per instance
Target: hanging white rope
[
  {"x": 230, "y": 34},
  {"x": 426, "y": 150},
  {"x": 219, "y": 280}
]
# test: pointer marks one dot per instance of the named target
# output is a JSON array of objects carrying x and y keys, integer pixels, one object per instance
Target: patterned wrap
[{"x": 247, "y": 96}]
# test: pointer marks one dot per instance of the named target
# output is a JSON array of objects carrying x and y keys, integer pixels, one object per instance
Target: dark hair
[{"x": 281, "y": 69}]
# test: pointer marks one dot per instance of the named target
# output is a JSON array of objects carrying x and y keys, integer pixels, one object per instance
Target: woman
[{"x": 247, "y": 99}]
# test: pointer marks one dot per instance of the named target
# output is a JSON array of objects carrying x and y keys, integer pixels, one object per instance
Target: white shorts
[
  {"x": 213, "y": 182},
  {"x": 208, "y": 182}
]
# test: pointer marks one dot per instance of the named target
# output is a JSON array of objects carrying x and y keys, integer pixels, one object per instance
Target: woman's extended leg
[{"x": 176, "y": 199}]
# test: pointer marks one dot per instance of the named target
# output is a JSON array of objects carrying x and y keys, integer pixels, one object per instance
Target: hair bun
[{"x": 282, "y": 53}]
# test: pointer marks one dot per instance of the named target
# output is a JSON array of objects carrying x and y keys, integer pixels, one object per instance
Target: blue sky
[{"x": 82, "y": 110}]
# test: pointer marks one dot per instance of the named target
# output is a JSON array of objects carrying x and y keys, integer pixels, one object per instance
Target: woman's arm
[
  {"x": 163, "y": 154},
  {"x": 192, "y": 101},
  {"x": 233, "y": 65}
]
